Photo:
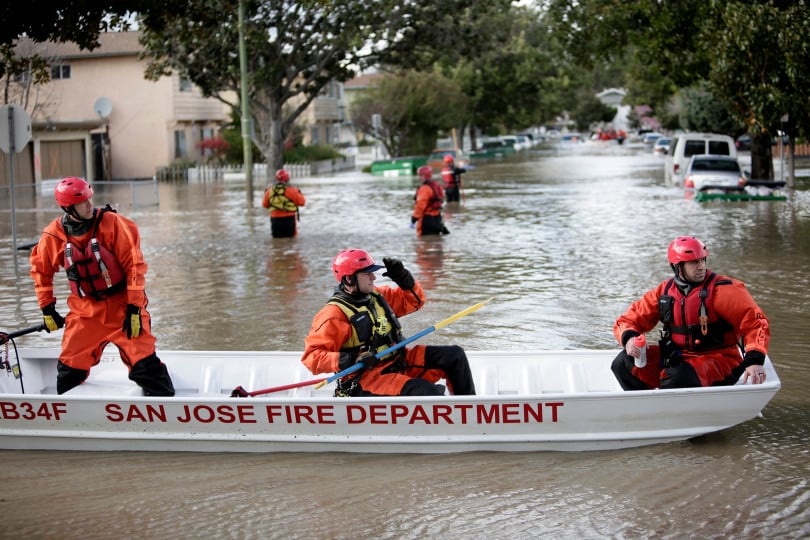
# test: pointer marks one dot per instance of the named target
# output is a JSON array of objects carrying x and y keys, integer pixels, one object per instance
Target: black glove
[
  {"x": 132, "y": 321},
  {"x": 414, "y": 219},
  {"x": 347, "y": 360},
  {"x": 53, "y": 321},
  {"x": 368, "y": 358},
  {"x": 395, "y": 270}
]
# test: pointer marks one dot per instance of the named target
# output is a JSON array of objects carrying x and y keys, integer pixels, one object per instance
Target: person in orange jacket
[
  {"x": 361, "y": 319},
  {"x": 100, "y": 251},
  {"x": 451, "y": 176},
  {"x": 427, "y": 211},
  {"x": 708, "y": 320},
  {"x": 283, "y": 201}
]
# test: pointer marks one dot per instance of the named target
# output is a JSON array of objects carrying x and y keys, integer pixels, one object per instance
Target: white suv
[{"x": 686, "y": 145}]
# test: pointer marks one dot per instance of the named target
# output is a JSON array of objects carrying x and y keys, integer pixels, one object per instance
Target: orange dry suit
[
  {"x": 704, "y": 327},
  {"x": 350, "y": 324},
  {"x": 451, "y": 176},
  {"x": 106, "y": 271},
  {"x": 427, "y": 210},
  {"x": 283, "y": 200}
]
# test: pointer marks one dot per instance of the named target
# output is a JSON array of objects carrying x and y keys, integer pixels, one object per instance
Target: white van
[{"x": 686, "y": 145}]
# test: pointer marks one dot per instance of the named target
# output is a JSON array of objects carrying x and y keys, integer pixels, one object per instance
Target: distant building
[{"x": 614, "y": 97}]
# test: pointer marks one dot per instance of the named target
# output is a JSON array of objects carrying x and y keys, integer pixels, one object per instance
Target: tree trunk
[{"x": 761, "y": 157}]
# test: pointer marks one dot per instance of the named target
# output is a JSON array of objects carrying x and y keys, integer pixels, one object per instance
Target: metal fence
[
  {"x": 211, "y": 173},
  {"x": 136, "y": 193}
]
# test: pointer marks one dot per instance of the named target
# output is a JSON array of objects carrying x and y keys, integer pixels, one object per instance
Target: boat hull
[{"x": 554, "y": 400}]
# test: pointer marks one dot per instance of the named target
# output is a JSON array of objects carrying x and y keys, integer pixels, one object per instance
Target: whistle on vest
[{"x": 103, "y": 267}]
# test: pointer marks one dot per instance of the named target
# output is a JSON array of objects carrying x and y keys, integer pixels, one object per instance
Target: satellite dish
[{"x": 103, "y": 107}]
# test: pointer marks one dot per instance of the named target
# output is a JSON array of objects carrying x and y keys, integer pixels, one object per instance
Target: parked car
[
  {"x": 572, "y": 137},
  {"x": 713, "y": 173},
  {"x": 686, "y": 145},
  {"x": 743, "y": 142},
  {"x": 661, "y": 146},
  {"x": 649, "y": 138}
]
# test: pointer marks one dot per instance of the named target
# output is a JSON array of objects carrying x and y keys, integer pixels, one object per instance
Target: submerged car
[
  {"x": 713, "y": 173},
  {"x": 662, "y": 145}
]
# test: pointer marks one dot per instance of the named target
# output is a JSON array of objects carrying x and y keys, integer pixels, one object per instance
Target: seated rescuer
[
  {"x": 360, "y": 319},
  {"x": 700, "y": 341},
  {"x": 101, "y": 253}
]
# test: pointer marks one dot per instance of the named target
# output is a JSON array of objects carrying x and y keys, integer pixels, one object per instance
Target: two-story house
[{"x": 103, "y": 120}]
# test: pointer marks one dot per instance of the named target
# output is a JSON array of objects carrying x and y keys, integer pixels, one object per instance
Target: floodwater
[{"x": 564, "y": 239}]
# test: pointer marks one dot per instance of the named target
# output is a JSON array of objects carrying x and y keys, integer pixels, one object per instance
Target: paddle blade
[{"x": 239, "y": 392}]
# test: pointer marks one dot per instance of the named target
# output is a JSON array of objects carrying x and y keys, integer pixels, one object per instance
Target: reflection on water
[{"x": 563, "y": 240}]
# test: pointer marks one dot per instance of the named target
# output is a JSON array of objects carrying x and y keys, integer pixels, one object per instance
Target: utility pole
[{"x": 247, "y": 144}]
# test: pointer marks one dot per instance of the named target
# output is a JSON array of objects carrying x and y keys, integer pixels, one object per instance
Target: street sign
[{"x": 15, "y": 128}]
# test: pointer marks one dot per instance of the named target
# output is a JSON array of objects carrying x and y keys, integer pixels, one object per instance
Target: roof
[
  {"x": 361, "y": 82},
  {"x": 111, "y": 44}
]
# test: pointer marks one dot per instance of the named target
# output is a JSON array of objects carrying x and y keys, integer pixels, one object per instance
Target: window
[
  {"x": 186, "y": 85},
  {"x": 180, "y": 151},
  {"x": 315, "y": 135},
  {"x": 719, "y": 147},
  {"x": 60, "y": 71}
]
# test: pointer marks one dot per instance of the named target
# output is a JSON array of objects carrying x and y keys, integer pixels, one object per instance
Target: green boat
[
  {"x": 741, "y": 196},
  {"x": 754, "y": 190},
  {"x": 401, "y": 166}
]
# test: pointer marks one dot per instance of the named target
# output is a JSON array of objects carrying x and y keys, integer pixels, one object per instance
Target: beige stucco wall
[{"x": 137, "y": 123}]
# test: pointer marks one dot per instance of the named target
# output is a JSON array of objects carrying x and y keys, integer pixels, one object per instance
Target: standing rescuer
[
  {"x": 283, "y": 201},
  {"x": 427, "y": 210},
  {"x": 451, "y": 176},
  {"x": 100, "y": 251},
  {"x": 707, "y": 320}
]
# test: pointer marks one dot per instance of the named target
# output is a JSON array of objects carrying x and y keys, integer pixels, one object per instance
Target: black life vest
[{"x": 375, "y": 327}]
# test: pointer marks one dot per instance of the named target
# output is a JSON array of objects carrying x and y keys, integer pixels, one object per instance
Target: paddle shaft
[
  {"x": 284, "y": 387},
  {"x": 441, "y": 324},
  {"x": 37, "y": 328}
]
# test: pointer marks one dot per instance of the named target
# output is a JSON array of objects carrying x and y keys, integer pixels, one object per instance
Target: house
[{"x": 100, "y": 118}]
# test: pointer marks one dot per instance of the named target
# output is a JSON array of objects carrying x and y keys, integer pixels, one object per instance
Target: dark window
[
  {"x": 186, "y": 85},
  {"x": 61, "y": 71},
  {"x": 694, "y": 147},
  {"x": 719, "y": 148},
  {"x": 180, "y": 151}
]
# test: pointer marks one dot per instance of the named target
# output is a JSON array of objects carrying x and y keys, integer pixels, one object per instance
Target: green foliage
[
  {"x": 303, "y": 154},
  {"x": 590, "y": 111},
  {"x": 702, "y": 111},
  {"x": 294, "y": 50},
  {"x": 413, "y": 107}
]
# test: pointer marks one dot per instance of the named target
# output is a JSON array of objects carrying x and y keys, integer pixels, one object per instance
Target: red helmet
[
  {"x": 282, "y": 175},
  {"x": 685, "y": 249},
  {"x": 350, "y": 261},
  {"x": 425, "y": 172},
  {"x": 448, "y": 159},
  {"x": 72, "y": 190}
]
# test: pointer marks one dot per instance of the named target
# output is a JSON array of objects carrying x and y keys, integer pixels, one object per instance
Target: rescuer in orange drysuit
[
  {"x": 100, "y": 251},
  {"x": 361, "y": 319},
  {"x": 707, "y": 320},
  {"x": 451, "y": 176},
  {"x": 283, "y": 201},
  {"x": 427, "y": 212}
]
